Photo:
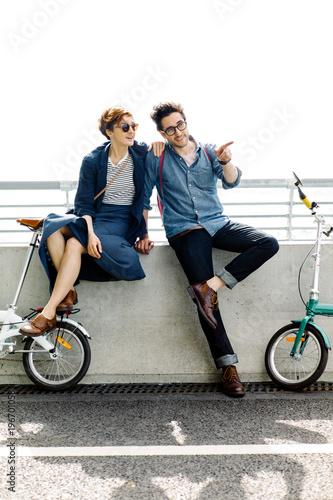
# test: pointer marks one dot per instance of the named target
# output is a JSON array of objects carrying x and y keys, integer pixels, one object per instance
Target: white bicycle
[{"x": 59, "y": 358}]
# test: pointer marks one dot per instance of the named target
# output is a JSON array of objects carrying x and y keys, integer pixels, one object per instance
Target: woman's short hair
[
  {"x": 112, "y": 116},
  {"x": 165, "y": 109}
]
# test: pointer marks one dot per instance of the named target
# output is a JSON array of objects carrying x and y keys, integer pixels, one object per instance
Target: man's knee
[{"x": 272, "y": 245}]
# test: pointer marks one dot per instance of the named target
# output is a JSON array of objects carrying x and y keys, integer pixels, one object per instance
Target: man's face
[{"x": 181, "y": 137}]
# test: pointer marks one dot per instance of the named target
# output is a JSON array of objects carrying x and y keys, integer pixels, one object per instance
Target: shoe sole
[
  {"x": 233, "y": 394},
  {"x": 202, "y": 312}
]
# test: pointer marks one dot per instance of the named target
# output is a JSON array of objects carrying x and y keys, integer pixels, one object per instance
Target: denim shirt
[{"x": 189, "y": 193}]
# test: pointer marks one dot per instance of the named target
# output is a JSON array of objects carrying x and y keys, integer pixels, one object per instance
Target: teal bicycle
[{"x": 297, "y": 354}]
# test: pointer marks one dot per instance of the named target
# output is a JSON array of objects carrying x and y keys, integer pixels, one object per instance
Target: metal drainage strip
[{"x": 179, "y": 388}]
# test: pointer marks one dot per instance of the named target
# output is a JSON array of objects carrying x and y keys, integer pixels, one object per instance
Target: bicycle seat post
[{"x": 32, "y": 246}]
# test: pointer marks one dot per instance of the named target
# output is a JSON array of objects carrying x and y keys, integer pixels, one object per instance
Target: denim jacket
[
  {"x": 189, "y": 193},
  {"x": 92, "y": 180}
]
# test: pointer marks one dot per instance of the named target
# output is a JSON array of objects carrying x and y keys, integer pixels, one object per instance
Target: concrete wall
[{"x": 148, "y": 331}]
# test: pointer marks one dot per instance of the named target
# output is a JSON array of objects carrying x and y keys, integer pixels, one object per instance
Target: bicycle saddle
[{"x": 31, "y": 223}]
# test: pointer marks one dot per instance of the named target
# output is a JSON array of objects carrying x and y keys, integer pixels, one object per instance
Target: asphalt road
[{"x": 176, "y": 447}]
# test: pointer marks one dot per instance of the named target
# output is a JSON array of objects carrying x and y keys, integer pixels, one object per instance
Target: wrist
[{"x": 223, "y": 162}]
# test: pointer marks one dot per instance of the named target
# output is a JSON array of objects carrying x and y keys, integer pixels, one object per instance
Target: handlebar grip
[{"x": 306, "y": 202}]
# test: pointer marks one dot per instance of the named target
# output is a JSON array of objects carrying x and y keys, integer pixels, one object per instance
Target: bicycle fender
[
  {"x": 303, "y": 322},
  {"x": 78, "y": 325}
]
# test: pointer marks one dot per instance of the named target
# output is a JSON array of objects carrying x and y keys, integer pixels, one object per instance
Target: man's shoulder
[
  {"x": 152, "y": 160},
  {"x": 209, "y": 146}
]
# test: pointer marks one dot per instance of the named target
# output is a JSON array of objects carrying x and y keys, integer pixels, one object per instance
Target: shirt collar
[{"x": 191, "y": 138}]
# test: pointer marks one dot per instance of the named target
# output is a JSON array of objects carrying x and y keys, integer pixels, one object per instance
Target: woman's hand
[
  {"x": 157, "y": 147},
  {"x": 94, "y": 246}
]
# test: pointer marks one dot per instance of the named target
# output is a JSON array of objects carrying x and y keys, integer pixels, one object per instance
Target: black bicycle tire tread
[
  {"x": 79, "y": 376},
  {"x": 313, "y": 377}
]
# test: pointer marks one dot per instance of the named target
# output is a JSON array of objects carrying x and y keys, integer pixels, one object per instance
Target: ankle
[
  {"x": 215, "y": 283},
  {"x": 48, "y": 312}
]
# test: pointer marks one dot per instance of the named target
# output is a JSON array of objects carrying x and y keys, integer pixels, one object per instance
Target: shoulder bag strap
[{"x": 111, "y": 181}]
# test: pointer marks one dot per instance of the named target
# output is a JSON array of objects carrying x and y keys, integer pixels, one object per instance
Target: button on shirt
[{"x": 189, "y": 192}]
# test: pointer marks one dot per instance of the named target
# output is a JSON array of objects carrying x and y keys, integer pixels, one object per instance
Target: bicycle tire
[
  {"x": 302, "y": 370},
  {"x": 70, "y": 365}
]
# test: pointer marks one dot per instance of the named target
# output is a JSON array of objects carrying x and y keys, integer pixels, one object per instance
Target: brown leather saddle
[{"x": 33, "y": 224}]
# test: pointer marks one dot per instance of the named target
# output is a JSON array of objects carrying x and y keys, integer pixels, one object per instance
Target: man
[{"x": 194, "y": 222}]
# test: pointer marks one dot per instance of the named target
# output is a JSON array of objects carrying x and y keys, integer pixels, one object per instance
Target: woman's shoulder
[
  {"x": 95, "y": 156},
  {"x": 97, "y": 152},
  {"x": 140, "y": 148}
]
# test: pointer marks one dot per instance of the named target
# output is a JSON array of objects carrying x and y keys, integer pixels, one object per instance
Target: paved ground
[{"x": 176, "y": 447}]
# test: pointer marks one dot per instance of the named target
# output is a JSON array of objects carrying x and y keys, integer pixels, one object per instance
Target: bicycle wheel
[
  {"x": 63, "y": 368},
  {"x": 301, "y": 370}
]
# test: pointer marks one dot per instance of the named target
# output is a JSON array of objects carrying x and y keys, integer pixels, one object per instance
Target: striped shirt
[{"x": 122, "y": 189}]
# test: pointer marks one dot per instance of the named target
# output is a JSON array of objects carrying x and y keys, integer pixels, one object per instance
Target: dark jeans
[{"x": 194, "y": 252}]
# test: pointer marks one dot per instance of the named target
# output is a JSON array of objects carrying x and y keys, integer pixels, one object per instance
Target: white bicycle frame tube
[
  {"x": 314, "y": 294},
  {"x": 14, "y": 332},
  {"x": 25, "y": 267},
  {"x": 8, "y": 317}
]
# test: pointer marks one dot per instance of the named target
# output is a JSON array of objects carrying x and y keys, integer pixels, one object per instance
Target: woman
[{"x": 97, "y": 242}]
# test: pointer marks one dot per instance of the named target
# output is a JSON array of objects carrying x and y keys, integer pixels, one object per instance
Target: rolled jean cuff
[
  {"x": 226, "y": 360},
  {"x": 228, "y": 278}
]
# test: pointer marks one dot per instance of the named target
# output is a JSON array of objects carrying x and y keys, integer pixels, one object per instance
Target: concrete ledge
[{"x": 148, "y": 331}]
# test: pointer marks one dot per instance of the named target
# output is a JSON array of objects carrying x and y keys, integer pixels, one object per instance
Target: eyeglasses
[
  {"x": 125, "y": 127},
  {"x": 172, "y": 130}
]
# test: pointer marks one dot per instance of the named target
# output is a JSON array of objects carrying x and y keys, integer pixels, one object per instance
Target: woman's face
[{"x": 123, "y": 133}]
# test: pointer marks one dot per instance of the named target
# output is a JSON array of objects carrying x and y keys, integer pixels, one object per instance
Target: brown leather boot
[
  {"x": 231, "y": 384},
  {"x": 68, "y": 302},
  {"x": 38, "y": 326},
  {"x": 206, "y": 300}
]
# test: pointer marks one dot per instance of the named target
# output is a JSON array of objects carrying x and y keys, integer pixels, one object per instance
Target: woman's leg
[
  {"x": 68, "y": 271},
  {"x": 56, "y": 244}
]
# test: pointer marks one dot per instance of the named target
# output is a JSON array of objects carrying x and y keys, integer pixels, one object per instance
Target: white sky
[{"x": 257, "y": 72}]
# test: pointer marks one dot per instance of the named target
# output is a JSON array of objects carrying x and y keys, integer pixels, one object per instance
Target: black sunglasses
[{"x": 125, "y": 127}]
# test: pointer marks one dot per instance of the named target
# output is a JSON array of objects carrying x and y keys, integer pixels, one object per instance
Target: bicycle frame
[{"x": 9, "y": 318}]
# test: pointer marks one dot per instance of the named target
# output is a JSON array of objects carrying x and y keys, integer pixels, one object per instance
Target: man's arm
[
  {"x": 224, "y": 155},
  {"x": 144, "y": 244},
  {"x": 151, "y": 169}
]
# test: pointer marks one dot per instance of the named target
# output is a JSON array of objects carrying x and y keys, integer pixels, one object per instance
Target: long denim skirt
[{"x": 118, "y": 261}]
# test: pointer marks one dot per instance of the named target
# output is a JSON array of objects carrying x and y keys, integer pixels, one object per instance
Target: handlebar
[
  {"x": 311, "y": 205},
  {"x": 303, "y": 197}
]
